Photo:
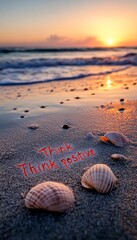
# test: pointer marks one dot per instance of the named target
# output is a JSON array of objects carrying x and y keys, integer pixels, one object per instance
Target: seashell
[
  {"x": 33, "y": 126},
  {"x": 116, "y": 138},
  {"x": 89, "y": 135},
  {"x": 117, "y": 156},
  {"x": 51, "y": 196},
  {"x": 99, "y": 177}
]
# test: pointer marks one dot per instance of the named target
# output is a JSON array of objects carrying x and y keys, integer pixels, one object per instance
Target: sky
[{"x": 68, "y": 23}]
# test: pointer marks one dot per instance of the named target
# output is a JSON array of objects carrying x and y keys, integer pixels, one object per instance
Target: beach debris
[
  {"x": 26, "y": 111},
  {"x": 116, "y": 138},
  {"x": 117, "y": 156},
  {"x": 50, "y": 196},
  {"x": 33, "y": 126},
  {"x": 65, "y": 126},
  {"x": 126, "y": 87},
  {"x": 89, "y": 135},
  {"x": 14, "y": 108},
  {"x": 61, "y": 102},
  {"x": 99, "y": 177},
  {"x": 22, "y": 116},
  {"x": 121, "y": 109}
]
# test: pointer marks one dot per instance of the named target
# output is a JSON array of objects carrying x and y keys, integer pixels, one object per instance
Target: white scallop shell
[
  {"x": 117, "y": 138},
  {"x": 99, "y": 177},
  {"x": 51, "y": 196}
]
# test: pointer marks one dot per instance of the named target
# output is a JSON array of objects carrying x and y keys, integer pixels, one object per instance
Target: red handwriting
[
  {"x": 49, "y": 151},
  {"x": 28, "y": 168},
  {"x": 77, "y": 157}
]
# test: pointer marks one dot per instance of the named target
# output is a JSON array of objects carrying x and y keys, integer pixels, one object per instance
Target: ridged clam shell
[
  {"x": 117, "y": 138},
  {"x": 51, "y": 196},
  {"x": 99, "y": 177}
]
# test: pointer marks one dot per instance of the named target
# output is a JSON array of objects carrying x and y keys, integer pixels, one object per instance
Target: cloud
[{"x": 62, "y": 41}]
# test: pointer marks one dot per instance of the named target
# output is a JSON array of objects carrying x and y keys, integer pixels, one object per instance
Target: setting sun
[{"x": 110, "y": 41}]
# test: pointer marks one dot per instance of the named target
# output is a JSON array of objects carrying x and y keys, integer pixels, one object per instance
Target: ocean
[{"x": 20, "y": 66}]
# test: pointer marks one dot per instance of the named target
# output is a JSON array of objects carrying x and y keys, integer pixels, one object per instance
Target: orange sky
[{"x": 72, "y": 23}]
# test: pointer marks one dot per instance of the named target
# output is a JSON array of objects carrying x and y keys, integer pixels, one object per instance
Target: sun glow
[{"x": 110, "y": 41}]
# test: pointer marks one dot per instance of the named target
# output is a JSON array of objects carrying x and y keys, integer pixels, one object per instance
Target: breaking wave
[{"x": 128, "y": 59}]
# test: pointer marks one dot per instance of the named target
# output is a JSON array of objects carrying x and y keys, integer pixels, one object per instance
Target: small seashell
[
  {"x": 99, "y": 177},
  {"x": 117, "y": 156},
  {"x": 33, "y": 126},
  {"x": 89, "y": 135},
  {"x": 116, "y": 138},
  {"x": 51, "y": 196}
]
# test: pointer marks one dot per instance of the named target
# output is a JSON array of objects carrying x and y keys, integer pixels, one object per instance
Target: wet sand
[{"x": 85, "y": 108}]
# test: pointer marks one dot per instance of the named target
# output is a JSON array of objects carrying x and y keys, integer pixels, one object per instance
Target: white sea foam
[{"x": 30, "y": 68}]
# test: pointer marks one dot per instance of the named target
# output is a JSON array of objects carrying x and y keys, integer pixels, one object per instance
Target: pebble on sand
[
  {"x": 122, "y": 100},
  {"x": 65, "y": 126},
  {"x": 121, "y": 109},
  {"x": 22, "y": 116},
  {"x": 61, "y": 102},
  {"x": 77, "y": 97},
  {"x": 102, "y": 106},
  {"x": 14, "y": 109},
  {"x": 43, "y": 106},
  {"x": 85, "y": 89},
  {"x": 72, "y": 89},
  {"x": 26, "y": 111}
]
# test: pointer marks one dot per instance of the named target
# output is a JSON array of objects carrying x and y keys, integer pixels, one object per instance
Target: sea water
[{"x": 20, "y": 66}]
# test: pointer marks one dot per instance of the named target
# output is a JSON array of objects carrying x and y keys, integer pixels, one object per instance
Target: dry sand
[{"x": 94, "y": 216}]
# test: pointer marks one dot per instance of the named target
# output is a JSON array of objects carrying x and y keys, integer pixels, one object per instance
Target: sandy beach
[{"x": 84, "y": 107}]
